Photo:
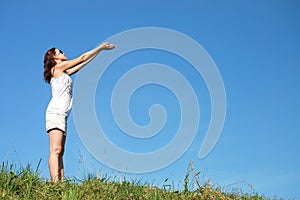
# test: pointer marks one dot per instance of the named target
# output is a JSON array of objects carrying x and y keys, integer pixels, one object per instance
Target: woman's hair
[{"x": 49, "y": 62}]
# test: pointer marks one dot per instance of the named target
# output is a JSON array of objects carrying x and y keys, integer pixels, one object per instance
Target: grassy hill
[{"x": 25, "y": 183}]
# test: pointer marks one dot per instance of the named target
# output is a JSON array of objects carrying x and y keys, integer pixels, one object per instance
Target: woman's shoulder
[{"x": 60, "y": 76}]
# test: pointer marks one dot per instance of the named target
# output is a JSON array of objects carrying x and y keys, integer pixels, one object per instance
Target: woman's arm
[
  {"x": 73, "y": 66},
  {"x": 89, "y": 56},
  {"x": 78, "y": 67}
]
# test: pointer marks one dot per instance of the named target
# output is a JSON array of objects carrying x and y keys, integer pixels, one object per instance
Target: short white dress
[{"x": 60, "y": 104}]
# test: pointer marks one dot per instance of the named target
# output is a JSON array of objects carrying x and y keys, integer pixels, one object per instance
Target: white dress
[{"x": 60, "y": 104}]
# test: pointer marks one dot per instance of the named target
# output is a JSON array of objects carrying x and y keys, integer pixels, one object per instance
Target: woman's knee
[
  {"x": 59, "y": 151},
  {"x": 57, "y": 142}
]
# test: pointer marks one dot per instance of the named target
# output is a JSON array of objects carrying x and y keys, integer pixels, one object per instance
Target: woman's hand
[{"x": 107, "y": 46}]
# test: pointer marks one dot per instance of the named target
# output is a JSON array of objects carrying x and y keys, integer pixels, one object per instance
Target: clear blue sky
[{"x": 255, "y": 45}]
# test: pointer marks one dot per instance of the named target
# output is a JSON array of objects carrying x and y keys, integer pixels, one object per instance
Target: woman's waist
[{"x": 60, "y": 104}]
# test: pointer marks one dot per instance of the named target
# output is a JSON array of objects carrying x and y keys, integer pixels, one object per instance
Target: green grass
[{"x": 25, "y": 183}]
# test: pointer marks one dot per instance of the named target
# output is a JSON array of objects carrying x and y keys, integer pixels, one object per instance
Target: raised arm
[
  {"x": 73, "y": 66},
  {"x": 89, "y": 56},
  {"x": 76, "y": 68}
]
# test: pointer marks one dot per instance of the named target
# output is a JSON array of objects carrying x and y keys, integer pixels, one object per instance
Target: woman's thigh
[{"x": 57, "y": 139}]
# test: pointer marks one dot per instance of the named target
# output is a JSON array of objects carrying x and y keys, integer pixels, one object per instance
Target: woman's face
[{"x": 59, "y": 55}]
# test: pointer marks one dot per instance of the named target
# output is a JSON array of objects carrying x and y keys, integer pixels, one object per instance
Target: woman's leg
[
  {"x": 61, "y": 163},
  {"x": 57, "y": 144}
]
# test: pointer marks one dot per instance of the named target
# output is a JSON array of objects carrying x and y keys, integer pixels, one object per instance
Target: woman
[{"x": 57, "y": 71}]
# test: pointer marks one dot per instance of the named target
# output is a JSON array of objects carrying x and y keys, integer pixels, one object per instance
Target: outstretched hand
[{"x": 107, "y": 46}]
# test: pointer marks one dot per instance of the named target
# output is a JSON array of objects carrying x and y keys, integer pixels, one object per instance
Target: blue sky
[{"x": 254, "y": 44}]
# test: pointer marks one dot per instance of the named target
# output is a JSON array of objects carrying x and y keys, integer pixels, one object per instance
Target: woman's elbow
[{"x": 82, "y": 58}]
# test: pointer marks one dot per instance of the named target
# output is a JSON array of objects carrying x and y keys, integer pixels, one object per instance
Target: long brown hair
[{"x": 49, "y": 62}]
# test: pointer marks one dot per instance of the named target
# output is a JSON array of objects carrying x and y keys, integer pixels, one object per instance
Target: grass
[{"x": 25, "y": 183}]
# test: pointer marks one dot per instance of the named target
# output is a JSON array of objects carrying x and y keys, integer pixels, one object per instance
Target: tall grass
[{"x": 25, "y": 183}]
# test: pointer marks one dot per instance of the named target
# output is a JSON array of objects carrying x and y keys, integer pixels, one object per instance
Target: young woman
[{"x": 57, "y": 72}]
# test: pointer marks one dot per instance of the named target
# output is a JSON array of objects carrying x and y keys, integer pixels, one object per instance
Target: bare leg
[
  {"x": 57, "y": 143},
  {"x": 61, "y": 163}
]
